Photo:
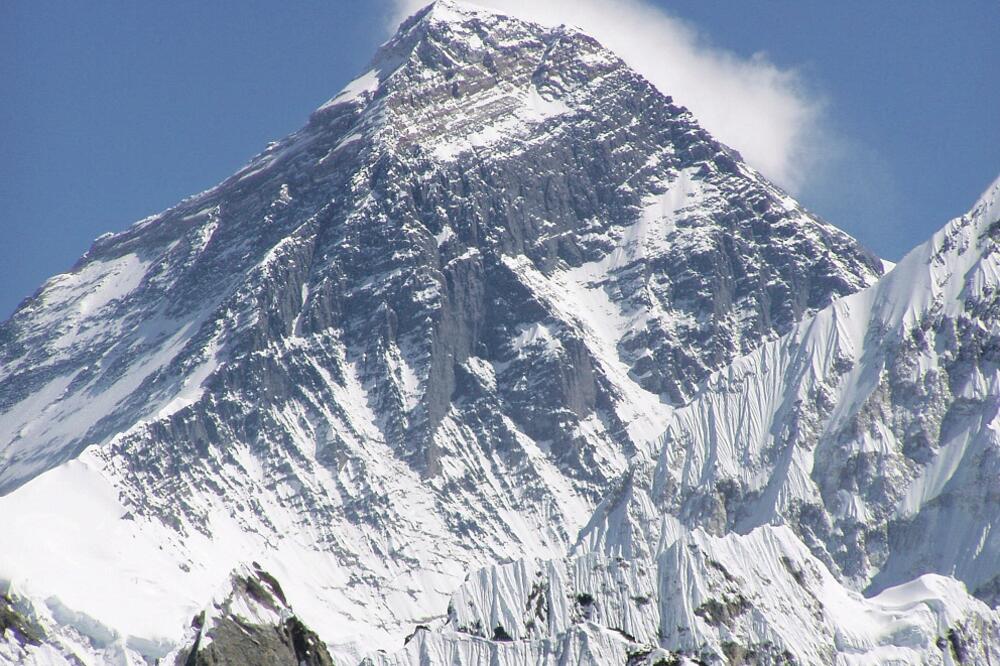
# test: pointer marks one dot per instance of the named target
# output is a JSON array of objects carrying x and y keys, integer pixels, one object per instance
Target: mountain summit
[{"x": 447, "y": 324}]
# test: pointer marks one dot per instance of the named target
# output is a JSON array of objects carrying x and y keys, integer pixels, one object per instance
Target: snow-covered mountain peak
[
  {"x": 456, "y": 78},
  {"x": 956, "y": 264},
  {"x": 423, "y": 334},
  {"x": 453, "y": 12}
]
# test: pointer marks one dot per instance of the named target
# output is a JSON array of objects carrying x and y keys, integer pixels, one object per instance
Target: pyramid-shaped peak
[
  {"x": 463, "y": 30},
  {"x": 460, "y": 72},
  {"x": 453, "y": 11},
  {"x": 459, "y": 12},
  {"x": 459, "y": 18},
  {"x": 463, "y": 16},
  {"x": 451, "y": 20},
  {"x": 452, "y": 14}
]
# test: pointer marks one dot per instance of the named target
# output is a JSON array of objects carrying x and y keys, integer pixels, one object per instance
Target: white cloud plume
[{"x": 760, "y": 109}]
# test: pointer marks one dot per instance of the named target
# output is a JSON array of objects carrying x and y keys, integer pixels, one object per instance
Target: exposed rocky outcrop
[
  {"x": 15, "y": 627},
  {"x": 252, "y": 625}
]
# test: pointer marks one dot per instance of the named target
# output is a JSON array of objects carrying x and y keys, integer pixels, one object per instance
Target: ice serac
[
  {"x": 422, "y": 334},
  {"x": 45, "y": 632},
  {"x": 758, "y": 598}
]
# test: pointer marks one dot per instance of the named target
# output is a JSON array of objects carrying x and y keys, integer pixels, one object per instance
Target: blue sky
[{"x": 115, "y": 110}]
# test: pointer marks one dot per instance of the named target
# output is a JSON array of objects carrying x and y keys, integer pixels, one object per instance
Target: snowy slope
[
  {"x": 423, "y": 334},
  {"x": 248, "y": 621}
]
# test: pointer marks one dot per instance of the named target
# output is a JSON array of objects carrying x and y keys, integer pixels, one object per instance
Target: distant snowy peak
[
  {"x": 962, "y": 255},
  {"x": 871, "y": 428}
]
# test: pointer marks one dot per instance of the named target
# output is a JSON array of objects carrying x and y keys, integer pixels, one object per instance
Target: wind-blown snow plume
[{"x": 759, "y": 108}]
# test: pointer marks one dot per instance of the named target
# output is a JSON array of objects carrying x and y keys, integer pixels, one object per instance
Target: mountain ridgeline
[{"x": 502, "y": 357}]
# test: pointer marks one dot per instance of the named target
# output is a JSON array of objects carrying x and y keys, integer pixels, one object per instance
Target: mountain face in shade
[
  {"x": 857, "y": 453},
  {"x": 499, "y": 298}
]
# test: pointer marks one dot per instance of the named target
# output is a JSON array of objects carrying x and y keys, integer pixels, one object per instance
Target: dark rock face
[
  {"x": 289, "y": 644},
  {"x": 14, "y": 625},
  {"x": 229, "y": 636},
  {"x": 432, "y": 325}
]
